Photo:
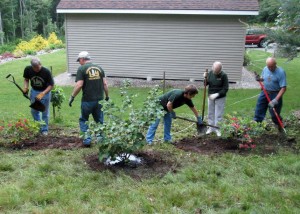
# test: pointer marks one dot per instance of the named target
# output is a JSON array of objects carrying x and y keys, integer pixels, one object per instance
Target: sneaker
[
  {"x": 209, "y": 131},
  {"x": 45, "y": 133},
  {"x": 218, "y": 133}
]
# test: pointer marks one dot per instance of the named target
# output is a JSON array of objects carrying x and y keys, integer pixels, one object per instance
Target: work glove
[
  {"x": 205, "y": 74},
  {"x": 40, "y": 96},
  {"x": 273, "y": 103},
  {"x": 71, "y": 100},
  {"x": 199, "y": 120},
  {"x": 106, "y": 98},
  {"x": 213, "y": 96},
  {"x": 25, "y": 91},
  {"x": 173, "y": 115}
]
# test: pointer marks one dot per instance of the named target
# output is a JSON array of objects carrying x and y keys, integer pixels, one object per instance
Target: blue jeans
[
  {"x": 87, "y": 108},
  {"x": 167, "y": 129},
  {"x": 37, "y": 114},
  {"x": 262, "y": 106}
]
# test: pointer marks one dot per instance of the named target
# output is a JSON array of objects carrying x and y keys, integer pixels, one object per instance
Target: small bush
[
  {"x": 7, "y": 48},
  {"x": 246, "y": 59},
  {"x": 123, "y": 130},
  {"x": 15, "y": 131},
  {"x": 53, "y": 40},
  {"x": 39, "y": 43},
  {"x": 57, "y": 98},
  {"x": 243, "y": 129}
]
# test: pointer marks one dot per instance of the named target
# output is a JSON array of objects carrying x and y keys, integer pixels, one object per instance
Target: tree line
[{"x": 23, "y": 19}]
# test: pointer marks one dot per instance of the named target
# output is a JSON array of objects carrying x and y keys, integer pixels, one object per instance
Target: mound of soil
[
  {"x": 266, "y": 144},
  {"x": 154, "y": 164},
  {"x": 50, "y": 142}
]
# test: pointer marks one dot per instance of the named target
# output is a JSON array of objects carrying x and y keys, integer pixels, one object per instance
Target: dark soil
[
  {"x": 267, "y": 144},
  {"x": 154, "y": 164},
  {"x": 50, "y": 142},
  {"x": 158, "y": 163}
]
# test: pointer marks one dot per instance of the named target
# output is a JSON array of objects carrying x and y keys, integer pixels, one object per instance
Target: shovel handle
[
  {"x": 14, "y": 82},
  {"x": 204, "y": 94},
  {"x": 194, "y": 121},
  {"x": 269, "y": 100}
]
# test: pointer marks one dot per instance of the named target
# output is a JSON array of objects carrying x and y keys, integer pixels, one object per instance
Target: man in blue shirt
[{"x": 274, "y": 79}]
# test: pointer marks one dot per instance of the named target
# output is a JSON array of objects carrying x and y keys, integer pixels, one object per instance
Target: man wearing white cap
[{"x": 91, "y": 79}]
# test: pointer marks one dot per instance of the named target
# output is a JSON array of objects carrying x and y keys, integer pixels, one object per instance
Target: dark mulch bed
[
  {"x": 158, "y": 163},
  {"x": 50, "y": 142},
  {"x": 266, "y": 144}
]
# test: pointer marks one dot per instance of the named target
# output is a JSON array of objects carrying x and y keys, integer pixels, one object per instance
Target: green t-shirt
[
  {"x": 176, "y": 97},
  {"x": 217, "y": 83},
  {"x": 93, "y": 87}
]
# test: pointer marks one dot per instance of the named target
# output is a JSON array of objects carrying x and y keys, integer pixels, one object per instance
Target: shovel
[
  {"x": 199, "y": 127},
  {"x": 269, "y": 100},
  {"x": 36, "y": 105},
  {"x": 202, "y": 128}
]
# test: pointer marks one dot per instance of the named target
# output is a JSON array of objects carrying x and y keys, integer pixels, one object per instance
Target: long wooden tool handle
[
  {"x": 204, "y": 93},
  {"x": 194, "y": 121},
  {"x": 269, "y": 100}
]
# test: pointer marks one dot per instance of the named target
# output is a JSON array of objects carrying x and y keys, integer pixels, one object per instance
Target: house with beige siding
[{"x": 144, "y": 38}]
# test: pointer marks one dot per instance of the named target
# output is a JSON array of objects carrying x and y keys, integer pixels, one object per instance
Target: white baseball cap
[{"x": 83, "y": 54}]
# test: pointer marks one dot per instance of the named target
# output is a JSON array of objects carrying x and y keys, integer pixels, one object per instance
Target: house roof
[{"x": 229, "y": 7}]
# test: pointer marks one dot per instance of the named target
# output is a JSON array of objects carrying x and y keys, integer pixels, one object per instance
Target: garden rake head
[{"x": 36, "y": 105}]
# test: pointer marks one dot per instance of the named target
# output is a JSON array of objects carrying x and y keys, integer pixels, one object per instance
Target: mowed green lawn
[{"x": 59, "y": 181}]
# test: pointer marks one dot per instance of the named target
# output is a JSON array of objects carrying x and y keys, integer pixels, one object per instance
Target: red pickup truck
[{"x": 256, "y": 37}]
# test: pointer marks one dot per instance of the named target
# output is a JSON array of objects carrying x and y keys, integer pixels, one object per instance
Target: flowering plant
[
  {"x": 18, "y": 130},
  {"x": 242, "y": 128}
]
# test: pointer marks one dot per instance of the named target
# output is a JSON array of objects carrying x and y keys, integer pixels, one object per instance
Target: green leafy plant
[
  {"x": 18, "y": 130},
  {"x": 57, "y": 98},
  {"x": 242, "y": 128},
  {"x": 123, "y": 130}
]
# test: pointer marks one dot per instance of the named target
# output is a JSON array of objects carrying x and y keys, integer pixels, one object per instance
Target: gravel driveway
[{"x": 248, "y": 81}]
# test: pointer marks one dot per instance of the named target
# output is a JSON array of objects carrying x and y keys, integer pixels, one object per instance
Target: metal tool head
[{"x": 38, "y": 105}]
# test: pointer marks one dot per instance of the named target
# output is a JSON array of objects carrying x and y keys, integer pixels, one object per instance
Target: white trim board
[{"x": 177, "y": 12}]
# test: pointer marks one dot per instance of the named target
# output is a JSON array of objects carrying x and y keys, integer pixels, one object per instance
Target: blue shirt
[{"x": 274, "y": 81}]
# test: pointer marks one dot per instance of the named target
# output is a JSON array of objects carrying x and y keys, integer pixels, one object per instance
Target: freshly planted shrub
[
  {"x": 242, "y": 128},
  {"x": 17, "y": 130},
  {"x": 123, "y": 130},
  {"x": 57, "y": 98}
]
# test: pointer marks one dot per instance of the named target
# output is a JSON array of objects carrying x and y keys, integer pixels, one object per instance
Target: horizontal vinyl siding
[{"x": 144, "y": 46}]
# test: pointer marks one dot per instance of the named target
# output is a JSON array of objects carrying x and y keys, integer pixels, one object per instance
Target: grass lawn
[{"x": 59, "y": 181}]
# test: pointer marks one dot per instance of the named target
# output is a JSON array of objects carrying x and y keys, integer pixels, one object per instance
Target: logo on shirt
[
  {"x": 93, "y": 73},
  {"x": 37, "y": 81}
]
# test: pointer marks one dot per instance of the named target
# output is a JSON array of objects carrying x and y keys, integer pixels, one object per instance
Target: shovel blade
[
  {"x": 201, "y": 129},
  {"x": 38, "y": 105}
]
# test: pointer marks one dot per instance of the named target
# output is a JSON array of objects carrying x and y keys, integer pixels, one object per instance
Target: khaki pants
[{"x": 215, "y": 111}]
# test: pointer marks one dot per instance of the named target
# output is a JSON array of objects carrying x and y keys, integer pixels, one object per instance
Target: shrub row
[{"x": 36, "y": 44}]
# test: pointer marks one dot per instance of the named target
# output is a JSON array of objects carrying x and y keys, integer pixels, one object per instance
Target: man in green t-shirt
[
  {"x": 171, "y": 100},
  {"x": 91, "y": 79}
]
